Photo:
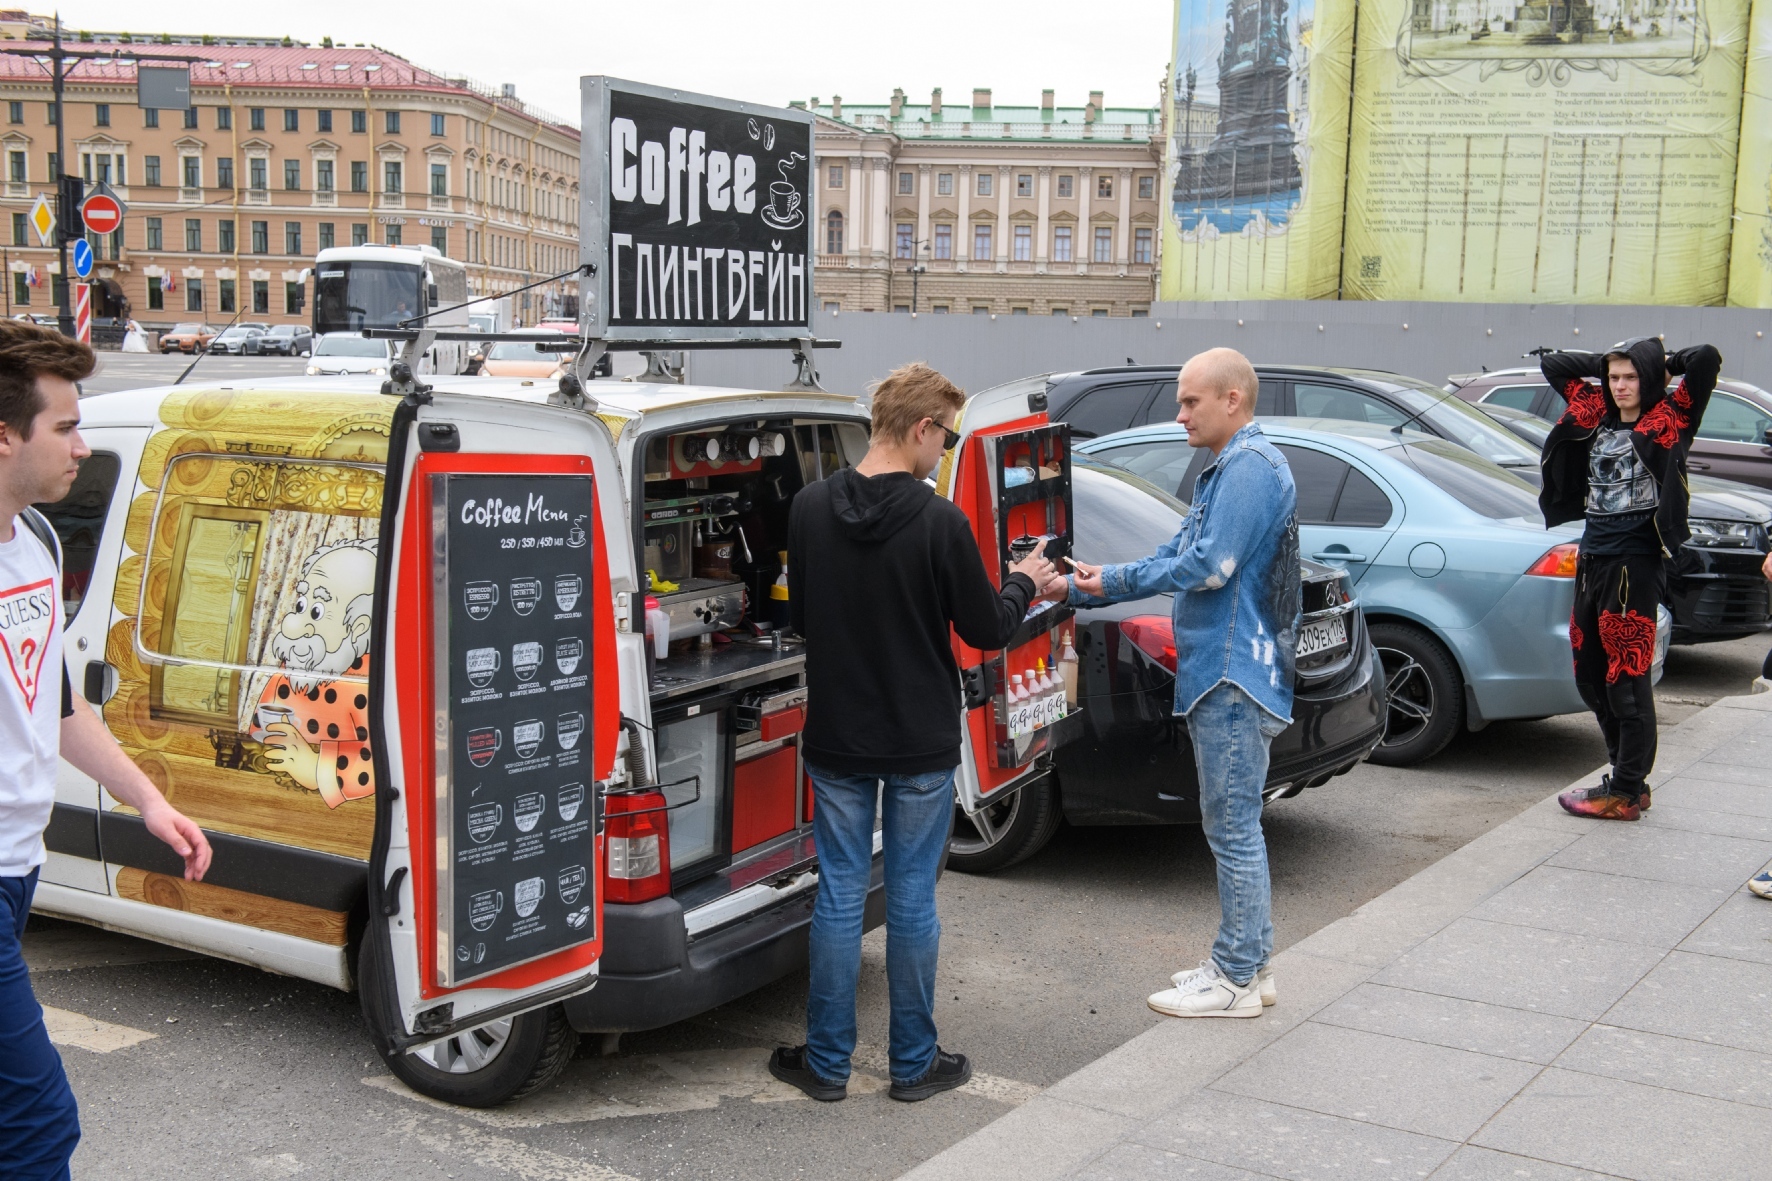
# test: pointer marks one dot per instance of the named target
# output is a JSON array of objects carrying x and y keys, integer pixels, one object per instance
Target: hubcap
[
  {"x": 983, "y": 830},
  {"x": 467, "y": 1052},
  {"x": 1410, "y": 693}
]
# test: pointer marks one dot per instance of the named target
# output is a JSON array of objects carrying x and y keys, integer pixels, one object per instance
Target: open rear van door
[{"x": 496, "y": 702}]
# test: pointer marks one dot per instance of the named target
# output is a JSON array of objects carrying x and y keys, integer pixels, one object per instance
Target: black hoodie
[
  {"x": 1661, "y": 434},
  {"x": 878, "y": 567}
]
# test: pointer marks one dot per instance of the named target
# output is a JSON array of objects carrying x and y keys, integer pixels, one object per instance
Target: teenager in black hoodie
[
  {"x": 879, "y": 567},
  {"x": 1618, "y": 458}
]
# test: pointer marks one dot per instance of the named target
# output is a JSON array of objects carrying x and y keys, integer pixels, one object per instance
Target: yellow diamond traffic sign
[{"x": 43, "y": 218}]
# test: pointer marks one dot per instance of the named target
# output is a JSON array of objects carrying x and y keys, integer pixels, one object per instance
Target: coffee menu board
[{"x": 516, "y": 865}]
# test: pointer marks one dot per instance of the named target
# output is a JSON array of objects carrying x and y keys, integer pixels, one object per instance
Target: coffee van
[{"x": 477, "y": 694}]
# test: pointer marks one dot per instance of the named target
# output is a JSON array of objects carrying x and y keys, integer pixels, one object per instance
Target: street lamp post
[{"x": 917, "y": 269}]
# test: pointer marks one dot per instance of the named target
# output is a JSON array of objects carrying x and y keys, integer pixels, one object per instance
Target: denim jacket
[{"x": 1234, "y": 570}]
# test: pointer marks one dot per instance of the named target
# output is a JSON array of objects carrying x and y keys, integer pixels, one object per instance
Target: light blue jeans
[
  {"x": 1230, "y": 734},
  {"x": 917, "y": 812}
]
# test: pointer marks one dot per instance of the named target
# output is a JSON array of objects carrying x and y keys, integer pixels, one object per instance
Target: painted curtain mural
[{"x": 1257, "y": 148}]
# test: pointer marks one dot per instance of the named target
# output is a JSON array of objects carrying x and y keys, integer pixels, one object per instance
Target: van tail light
[
  {"x": 1154, "y": 635},
  {"x": 637, "y": 847},
  {"x": 1557, "y": 562}
]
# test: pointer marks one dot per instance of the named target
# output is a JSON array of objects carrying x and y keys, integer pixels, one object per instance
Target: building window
[
  {"x": 1098, "y": 313},
  {"x": 437, "y": 125},
  {"x": 1018, "y": 311},
  {"x": 55, "y": 168},
  {"x": 981, "y": 309},
  {"x": 15, "y": 112},
  {"x": 835, "y": 177},
  {"x": 326, "y": 241},
  {"x": 359, "y": 176},
  {"x": 151, "y": 165},
  {"x": 1141, "y": 313},
  {"x": 359, "y": 233},
  {"x": 1061, "y": 311},
  {"x": 940, "y": 309},
  {"x": 49, "y": 109},
  {"x": 193, "y": 172},
  {"x": 153, "y": 241},
  {"x": 1141, "y": 244},
  {"x": 390, "y": 176},
  {"x": 291, "y": 119},
  {"x": 904, "y": 241},
  {"x": 224, "y": 236},
  {"x": 944, "y": 184},
  {"x": 393, "y": 236},
  {"x": 1024, "y": 244},
  {"x": 1104, "y": 185},
  {"x": 1061, "y": 244},
  {"x": 21, "y": 288},
  {"x": 191, "y": 118},
  {"x": 1104, "y": 244},
  {"x": 292, "y": 237},
  {"x": 15, "y": 167},
  {"x": 150, "y": 117},
  {"x": 985, "y": 180},
  {"x": 323, "y": 121},
  {"x": 833, "y": 232},
  {"x": 323, "y": 176},
  {"x": 944, "y": 241},
  {"x": 291, "y": 175},
  {"x": 1024, "y": 185},
  {"x": 257, "y": 168},
  {"x": 224, "y": 118},
  {"x": 981, "y": 243},
  {"x": 194, "y": 235},
  {"x": 832, "y": 306},
  {"x": 906, "y": 184},
  {"x": 261, "y": 237},
  {"x": 261, "y": 297},
  {"x": 193, "y": 295},
  {"x": 359, "y": 122},
  {"x": 1067, "y": 186},
  {"x": 101, "y": 114},
  {"x": 18, "y": 229},
  {"x": 224, "y": 172},
  {"x": 292, "y": 298},
  {"x": 440, "y": 240},
  {"x": 224, "y": 295},
  {"x": 255, "y": 118},
  {"x": 439, "y": 180},
  {"x": 391, "y": 122},
  {"x": 1147, "y": 188},
  {"x": 156, "y": 296}
]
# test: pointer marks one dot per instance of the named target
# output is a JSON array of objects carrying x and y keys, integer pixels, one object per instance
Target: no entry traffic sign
[{"x": 102, "y": 213}]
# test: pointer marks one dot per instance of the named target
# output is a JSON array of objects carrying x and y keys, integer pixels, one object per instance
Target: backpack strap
[{"x": 38, "y": 524}]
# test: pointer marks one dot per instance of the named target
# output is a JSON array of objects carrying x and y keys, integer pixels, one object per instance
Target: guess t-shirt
[{"x": 31, "y": 687}]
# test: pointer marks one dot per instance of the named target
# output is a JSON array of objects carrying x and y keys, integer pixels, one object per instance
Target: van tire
[
  {"x": 540, "y": 1044},
  {"x": 1426, "y": 679},
  {"x": 1031, "y": 817}
]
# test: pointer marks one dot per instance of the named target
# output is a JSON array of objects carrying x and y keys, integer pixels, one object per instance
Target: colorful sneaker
[
  {"x": 1208, "y": 992},
  {"x": 1600, "y": 803},
  {"x": 1265, "y": 977},
  {"x": 1761, "y": 884}
]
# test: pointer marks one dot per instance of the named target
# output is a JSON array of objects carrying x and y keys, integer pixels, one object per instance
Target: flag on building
[{"x": 32, "y": 279}]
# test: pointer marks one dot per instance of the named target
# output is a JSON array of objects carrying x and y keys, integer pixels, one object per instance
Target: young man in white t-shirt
[{"x": 40, "y": 454}]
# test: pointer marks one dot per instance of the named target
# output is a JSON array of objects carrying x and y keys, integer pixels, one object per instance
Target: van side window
[{"x": 79, "y": 520}]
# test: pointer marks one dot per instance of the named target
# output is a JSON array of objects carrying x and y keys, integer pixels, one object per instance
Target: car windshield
[
  {"x": 284, "y": 330},
  {"x": 1463, "y": 423},
  {"x": 1473, "y": 481},
  {"x": 187, "y": 329},
  {"x": 236, "y": 332},
  {"x": 350, "y": 346},
  {"x": 519, "y": 350},
  {"x": 1529, "y": 427},
  {"x": 1128, "y": 517}
]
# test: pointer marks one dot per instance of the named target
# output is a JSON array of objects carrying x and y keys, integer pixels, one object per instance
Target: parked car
[
  {"x": 1134, "y": 763},
  {"x": 347, "y": 352},
  {"x": 520, "y": 358},
  {"x": 233, "y": 340},
  {"x": 186, "y": 338},
  {"x": 569, "y": 327},
  {"x": 1734, "y": 440},
  {"x": 283, "y": 340},
  {"x": 1466, "y": 594}
]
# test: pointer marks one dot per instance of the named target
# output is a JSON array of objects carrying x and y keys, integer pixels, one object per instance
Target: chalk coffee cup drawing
[
  {"x": 570, "y": 882},
  {"x": 526, "y": 736},
  {"x": 526, "y": 810},
  {"x": 567, "y": 654},
  {"x": 527, "y": 894},
  {"x": 484, "y": 744},
  {"x": 479, "y": 598},
  {"x": 569, "y": 798},
  {"x": 484, "y": 909},
  {"x": 576, "y": 538},
  {"x": 484, "y": 820},
  {"x": 567, "y": 588},
  {"x": 567, "y": 728},
  {"x": 482, "y": 666},
  {"x": 525, "y": 659},
  {"x": 783, "y": 211},
  {"x": 525, "y": 594}
]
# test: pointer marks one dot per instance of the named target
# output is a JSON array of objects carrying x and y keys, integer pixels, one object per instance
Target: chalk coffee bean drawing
[
  {"x": 571, "y": 880},
  {"x": 528, "y": 895},
  {"x": 484, "y": 909},
  {"x": 525, "y": 659},
  {"x": 526, "y": 736},
  {"x": 479, "y": 598},
  {"x": 484, "y": 820},
  {"x": 567, "y": 654},
  {"x": 578, "y": 918},
  {"x": 568, "y": 799},
  {"x": 567, "y": 729},
  {"x": 567, "y": 588},
  {"x": 482, "y": 666},
  {"x": 525, "y": 594},
  {"x": 479, "y": 952},
  {"x": 484, "y": 744},
  {"x": 462, "y": 953},
  {"x": 527, "y": 809}
]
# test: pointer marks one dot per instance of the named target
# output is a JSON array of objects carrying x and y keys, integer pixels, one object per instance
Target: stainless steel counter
[{"x": 700, "y": 669}]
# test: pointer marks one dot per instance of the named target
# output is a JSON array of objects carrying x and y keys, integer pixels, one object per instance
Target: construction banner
[
  {"x": 1257, "y": 153},
  {"x": 1750, "y": 263}
]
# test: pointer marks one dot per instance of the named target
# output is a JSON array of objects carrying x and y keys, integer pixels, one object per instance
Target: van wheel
[
  {"x": 1424, "y": 695},
  {"x": 1007, "y": 831},
  {"x": 499, "y": 1062}
]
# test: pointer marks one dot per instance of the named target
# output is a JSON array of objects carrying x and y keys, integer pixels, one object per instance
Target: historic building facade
[
  {"x": 978, "y": 209},
  {"x": 286, "y": 150}
]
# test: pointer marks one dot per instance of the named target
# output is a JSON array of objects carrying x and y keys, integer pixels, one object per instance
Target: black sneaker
[
  {"x": 789, "y": 1065},
  {"x": 944, "y": 1074}
]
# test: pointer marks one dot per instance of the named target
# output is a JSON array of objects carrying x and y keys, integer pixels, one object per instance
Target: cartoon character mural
[{"x": 313, "y": 716}]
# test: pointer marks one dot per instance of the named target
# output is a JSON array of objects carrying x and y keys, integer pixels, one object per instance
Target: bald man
[{"x": 1233, "y": 575}]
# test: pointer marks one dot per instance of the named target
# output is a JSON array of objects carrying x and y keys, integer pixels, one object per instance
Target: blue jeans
[
  {"x": 39, "y": 1125},
  {"x": 1230, "y": 734},
  {"x": 916, "y": 814}
]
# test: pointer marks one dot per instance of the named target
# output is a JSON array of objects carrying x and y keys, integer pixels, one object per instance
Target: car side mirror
[
  {"x": 1767, "y": 437},
  {"x": 431, "y": 293}
]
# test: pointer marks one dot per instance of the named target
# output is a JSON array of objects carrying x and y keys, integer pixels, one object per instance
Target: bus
[{"x": 358, "y": 287}]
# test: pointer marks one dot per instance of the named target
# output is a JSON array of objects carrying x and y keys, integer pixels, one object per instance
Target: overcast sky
[{"x": 768, "y": 54}]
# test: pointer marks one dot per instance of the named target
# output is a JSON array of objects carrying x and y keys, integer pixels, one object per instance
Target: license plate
[{"x": 1322, "y": 635}]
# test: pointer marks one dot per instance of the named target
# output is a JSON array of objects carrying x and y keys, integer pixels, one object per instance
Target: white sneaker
[
  {"x": 1265, "y": 977},
  {"x": 1207, "y": 992}
]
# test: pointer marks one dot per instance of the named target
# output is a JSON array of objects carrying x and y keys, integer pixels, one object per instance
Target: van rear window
[{"x": 79, "y": 520}]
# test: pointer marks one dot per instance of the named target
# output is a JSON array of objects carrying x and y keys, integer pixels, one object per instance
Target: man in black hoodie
[
  {"x": 879, "y": 567},
  {"x": 1618, "y": 458}
]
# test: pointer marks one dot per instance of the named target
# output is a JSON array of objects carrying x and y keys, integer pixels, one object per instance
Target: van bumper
[{"x": 652, "y": 975}]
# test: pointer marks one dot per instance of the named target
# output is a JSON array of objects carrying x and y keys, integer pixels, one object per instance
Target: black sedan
[{"x": 1134, "y": 763}]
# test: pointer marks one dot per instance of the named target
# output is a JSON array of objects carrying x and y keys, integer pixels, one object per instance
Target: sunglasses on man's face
[{"x": 952, "y": 439}]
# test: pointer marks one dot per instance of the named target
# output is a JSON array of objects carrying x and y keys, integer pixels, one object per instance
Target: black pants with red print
[{"x": 1612, "y": 635}]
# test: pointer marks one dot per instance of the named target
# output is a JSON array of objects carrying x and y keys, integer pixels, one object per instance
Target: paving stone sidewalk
[{"x": 1559, "y": 999}]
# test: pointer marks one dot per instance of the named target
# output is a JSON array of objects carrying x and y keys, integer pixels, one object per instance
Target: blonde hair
[
  {"x": 908, "y": 395},
  {"x": 1224, "y": 370}
]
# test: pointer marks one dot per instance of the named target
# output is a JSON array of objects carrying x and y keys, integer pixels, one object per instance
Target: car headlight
[
  {"x": 1709, "y": 531},
  {"x": 313, "y": 370},
  {"x": 379, "y": 370}
]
